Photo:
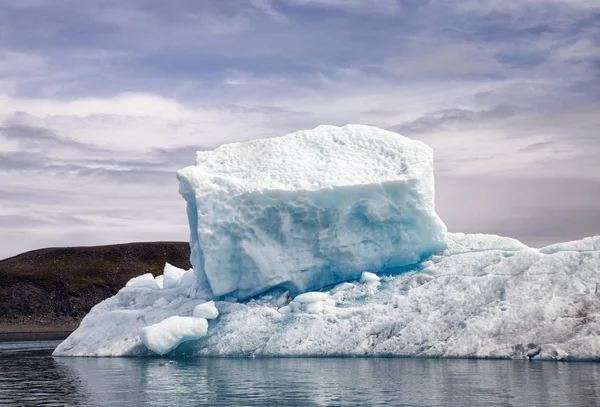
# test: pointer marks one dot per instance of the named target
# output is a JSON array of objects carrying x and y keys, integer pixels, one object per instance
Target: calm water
[{"x": 33, "y": 377}]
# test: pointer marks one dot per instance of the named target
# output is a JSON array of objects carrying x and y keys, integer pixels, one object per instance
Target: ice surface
[
  {"x": 159, "y": 280},
  {"x": 172, "y": 276},
  {"x": 309, "y": 209},
  {"x": 367, "y": 277},
  {"x": 208, "y": 310},
  {"x": 187, "y": 279},
  {"x": 311, "y": 297},
  {"x": 169, "y": 333},
  {"x": 480, "y": 302},
  {"x": 143, "y": 281},
  {"x": 585, "y": 245}
]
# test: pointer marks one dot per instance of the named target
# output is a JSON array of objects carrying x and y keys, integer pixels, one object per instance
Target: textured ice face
[
  {"x": 309, "y": 209},
  {"x": 492, "y": 298}
]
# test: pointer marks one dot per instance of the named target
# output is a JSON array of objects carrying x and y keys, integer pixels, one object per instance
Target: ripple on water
[{"x": 34, "y": 377}]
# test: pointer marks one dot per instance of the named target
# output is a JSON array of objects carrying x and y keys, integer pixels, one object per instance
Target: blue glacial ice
[
  {"x": 309, "y": 209},
  {"x": 326, "y": 242}
]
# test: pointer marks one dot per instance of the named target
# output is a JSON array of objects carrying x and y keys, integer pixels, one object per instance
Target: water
[{"x": 34, "y": 377}]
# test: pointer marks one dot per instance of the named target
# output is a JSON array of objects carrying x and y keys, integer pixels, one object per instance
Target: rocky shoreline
[{"x": 45, "y": 293}]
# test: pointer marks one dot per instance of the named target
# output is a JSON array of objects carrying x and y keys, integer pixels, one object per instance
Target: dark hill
[{"x": 52, "y": 289}]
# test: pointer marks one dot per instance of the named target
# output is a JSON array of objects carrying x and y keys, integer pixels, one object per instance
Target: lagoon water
[{"x": 29, "y": 375}]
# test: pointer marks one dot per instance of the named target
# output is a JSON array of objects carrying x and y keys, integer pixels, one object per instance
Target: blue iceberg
[{"x": 326, "y": 242}]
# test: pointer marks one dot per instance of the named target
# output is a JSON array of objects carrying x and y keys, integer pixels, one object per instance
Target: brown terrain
[{"x": 45, "y": 293}]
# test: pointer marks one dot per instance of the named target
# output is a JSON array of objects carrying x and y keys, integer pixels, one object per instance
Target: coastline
[{"x": 35, "y": 332}]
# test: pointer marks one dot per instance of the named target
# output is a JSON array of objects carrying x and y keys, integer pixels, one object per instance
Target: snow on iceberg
[
  {"x": 309, "y": 209},
  {"x": 462, "y": 295}
]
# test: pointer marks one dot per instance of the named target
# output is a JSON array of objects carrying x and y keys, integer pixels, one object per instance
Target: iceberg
[
  {"x": 490, "y": 298},
  {"x": 333, "y": 248},
  {"x": 309, "y": 209}
]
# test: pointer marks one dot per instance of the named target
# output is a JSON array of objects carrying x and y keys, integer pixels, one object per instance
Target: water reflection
[
  {"x": 350, "y": 382},
  {"x": 35, "y": 378}
]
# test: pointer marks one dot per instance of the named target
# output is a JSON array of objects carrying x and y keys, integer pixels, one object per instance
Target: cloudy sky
[{"x": 101, "y": 101}]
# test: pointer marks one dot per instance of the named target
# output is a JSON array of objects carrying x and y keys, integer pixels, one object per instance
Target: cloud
[
  {"x": 437, "y": 119},
  {"x": 537, "y": 146},
  {"x": 102, "y": 102},
  {"x": 381, "y": 6}
]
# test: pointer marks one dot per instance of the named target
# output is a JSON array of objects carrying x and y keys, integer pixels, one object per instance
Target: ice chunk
[
  {"x": 166, "y": 335},
  {"x": 311, "y": 297},
  {"x": 310, "y": 303},
  {"x": 208, "y": 310},
  {"x": 309, "y": 209},
  {"x": 367, "y": 277},
  {"x": 143, "y": 281},
  {"x": 159, "y": 281},
  {"x": 187, "y": 279},
  {"x": 172, "y": 276}
]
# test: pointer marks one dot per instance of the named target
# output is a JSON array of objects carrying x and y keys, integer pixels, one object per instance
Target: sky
[{"x": 102, "y": 101}]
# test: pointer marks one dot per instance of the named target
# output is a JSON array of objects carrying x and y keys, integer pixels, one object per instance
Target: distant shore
[
  {"x": 35, "y": 332},
  {"x": 45, "y": 293}
]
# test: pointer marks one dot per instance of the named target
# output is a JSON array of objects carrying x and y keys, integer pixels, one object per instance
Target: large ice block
[{"x": 309, "y": 209}]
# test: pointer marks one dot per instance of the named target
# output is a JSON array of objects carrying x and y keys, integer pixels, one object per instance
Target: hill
[{"x": 51, "y": 290}]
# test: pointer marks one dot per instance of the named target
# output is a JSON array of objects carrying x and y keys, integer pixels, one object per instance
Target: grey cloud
[
  {"x": 435, "y": 120},
  {"x": 537, "y": 146},
  {"x": 18, "y": 160},
  {"x": 21, "y": 221},
  {"x": 35, "y": 155},
  {"x": 289, "y": 56},
  {"x": 473, "y": 159},
  {"x": 29, "y": 222},
  {"x": 179, "y": 156},
  {"x": 30, "y": 137}
]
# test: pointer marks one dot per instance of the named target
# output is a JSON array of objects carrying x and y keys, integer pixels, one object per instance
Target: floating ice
[
  {"x": 206, "y": 310},
  {"x": 302, "y": 216},
  {"x": 166, "y": 335},
  {"x": 482, "y": 302},
  {"x": 309, "y": 209}
]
